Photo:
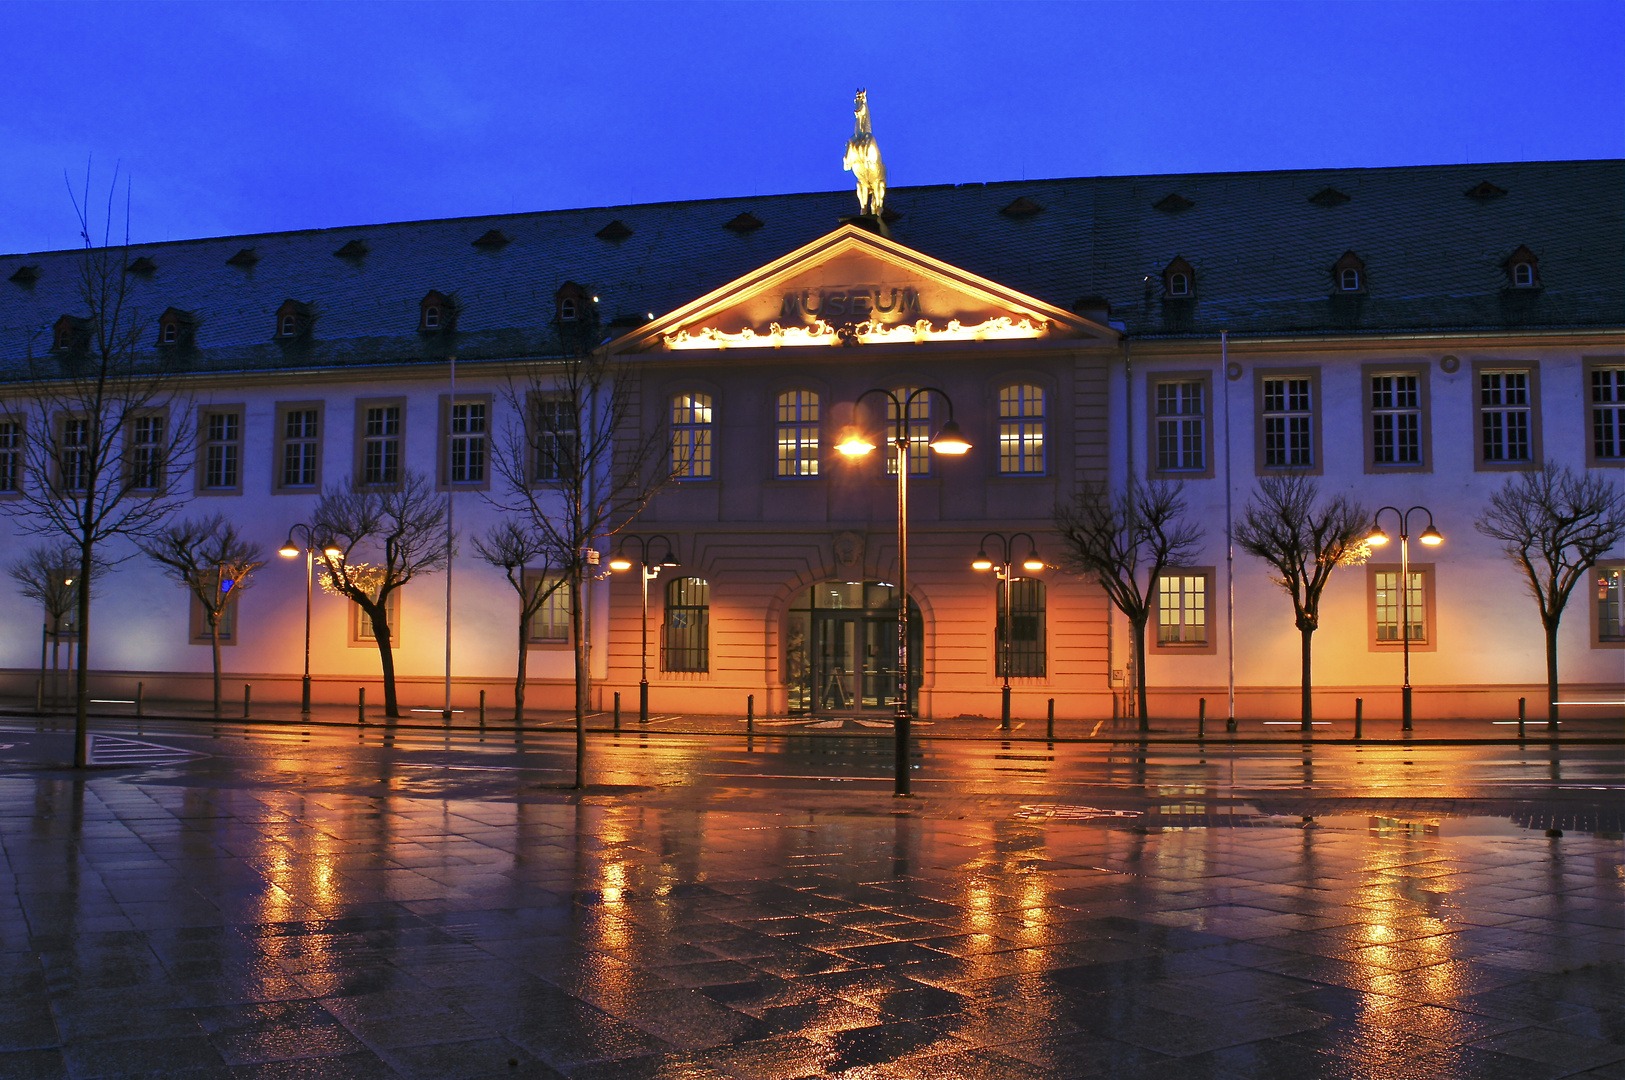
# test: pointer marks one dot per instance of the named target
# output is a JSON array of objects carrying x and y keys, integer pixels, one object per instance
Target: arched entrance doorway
[{"x": 841, "y": 648}]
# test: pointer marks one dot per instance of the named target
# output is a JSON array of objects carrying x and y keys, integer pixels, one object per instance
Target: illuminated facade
[{"x": 1407, "y": 336}]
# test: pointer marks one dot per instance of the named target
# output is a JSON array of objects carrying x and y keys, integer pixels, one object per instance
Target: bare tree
[
  {"x": 1554, "y": 524},
  {"x": 49, "y": 573},
  {"x": 109, "y": 434},
  {"x": 515, "y": 548},
  {"x": 1303, "y": 539},
  {"x": 1124, "y": 541},
  {"x": 208, "y": 558},
  {"x": 405, "y": 524},
  {"x": 578, "y": 467}
]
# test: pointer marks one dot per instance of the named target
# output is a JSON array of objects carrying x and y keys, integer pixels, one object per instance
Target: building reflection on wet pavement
[{"x": 202, "y": 921}]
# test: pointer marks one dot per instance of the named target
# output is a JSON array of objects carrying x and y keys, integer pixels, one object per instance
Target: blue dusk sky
[{"x": 232, "y": 118}]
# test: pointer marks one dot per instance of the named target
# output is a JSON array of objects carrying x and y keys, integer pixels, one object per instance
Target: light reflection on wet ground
[{"x": 309, "y": 905}]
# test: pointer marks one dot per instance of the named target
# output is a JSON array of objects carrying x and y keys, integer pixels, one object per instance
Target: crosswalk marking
[{"x": 111, "y": 750}]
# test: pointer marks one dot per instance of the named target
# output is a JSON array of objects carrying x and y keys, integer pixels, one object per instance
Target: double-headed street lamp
[
  {"x": 649, "y": 573},
  {"x": 1432, "y": 538},
  {"x": 290, "y": 551},
  {"x": 1003, "y": 544},
  {"x": 948, "y": 440}
]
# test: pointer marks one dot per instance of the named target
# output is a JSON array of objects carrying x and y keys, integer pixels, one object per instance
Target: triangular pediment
[{"x": 855, "y": 287}]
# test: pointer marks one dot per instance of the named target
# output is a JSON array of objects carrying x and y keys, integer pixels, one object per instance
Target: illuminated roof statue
[{"x": 863, "y": 160}]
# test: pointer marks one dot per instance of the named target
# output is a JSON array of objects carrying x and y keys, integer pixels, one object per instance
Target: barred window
[
  {"x": 1608, "y": 413},
  {"x": 554, "y": 437},
  {"x": 1181, "y": 426},
  {"x": 1289, "y": 418},
  {"x": 919, "y": 432},
  {"x": 11, "y": 455},
  {"x": 147, "y": 453},
  {"x": 300, "y": 435},
  {"x": 381, "y": 445},
  {"x": 1610, "y": 602},
  {"x": 798, "y": 433},
  {"x": 1021, "y": 430},
  {"x": 1396, "y": 420},
  {"x": 1390, "y": 605},
  {"x": 1025, "y": 631},
  {"x": 685, "y": 643},
  {"x": 1504, "y": 415},
  {"x": 468, "y": 432},
  {"x": 222, "y": 449},
  {"x": 691, "y": 436},
  {"x": 1182, "y": 609}
]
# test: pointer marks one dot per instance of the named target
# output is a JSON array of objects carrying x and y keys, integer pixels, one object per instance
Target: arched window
[
  {"x": 1025, "y": 631},
  {"x": 1178, "y": 285},
  {"x": 798, "y": 433},
  {"x": 288, "y": 325},
  {"x": 172, "y": 331},
  {"x": 1523, "y": 274},
  {"x": 919, "y": 432},
  {"x": 431, "y": 318},
  {"x": 1021, "y": 430},
  {"x": 685, "y": 640},
  {"x": 1349, "y": 279},
  {"x": 691, "y": 436},
  {"x": 567, "y": 310}
]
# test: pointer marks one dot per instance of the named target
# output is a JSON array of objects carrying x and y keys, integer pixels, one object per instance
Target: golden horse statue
[{"x": 863, "y": 159}]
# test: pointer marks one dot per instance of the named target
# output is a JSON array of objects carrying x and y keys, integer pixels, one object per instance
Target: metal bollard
[
  {"x": 1201, "y": 718},
  {"x": 1049, "y": 727},
  {"x": 750, "y": 712},
  {"x": 248, "y": 697},
  {"x": 617, "y": 710},
  {"x": 140, "y": 695},
  {"x": 361, "y": 705},
  {"x": 482, "y": 710},
  {"x": 1359, "y": 718},
  {"x": 39, "y": 695},
  {"x": 1522, "y": 702}
]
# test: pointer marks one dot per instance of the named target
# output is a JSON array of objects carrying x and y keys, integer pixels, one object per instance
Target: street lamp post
[
  {"x": 1429, "y": 536},
  {"x": 1003, "y": 570},
  {"x": 647, "y": 573},
  {"x": 948, "y": 440},
  {"x": 289, "y": 551}
]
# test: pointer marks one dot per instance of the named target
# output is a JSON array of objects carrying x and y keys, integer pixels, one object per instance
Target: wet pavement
[{"x": 287, "y": 903}]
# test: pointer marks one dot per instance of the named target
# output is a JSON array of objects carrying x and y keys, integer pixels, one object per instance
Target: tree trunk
[
  {"x": 81, "y": 707},
  {"x": 1551, "y": 672},
  {"x": 519, "y": 678},
  {"x": 379, "y": 613},
  {"x": 214, "y": 641},
  {"x": 577, "y": 626},
  {"x": 1308, "y": 678},
  {"x": 1142, "y": 709}
]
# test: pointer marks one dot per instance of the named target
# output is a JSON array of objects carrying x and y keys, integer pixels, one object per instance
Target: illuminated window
[
  {"x": 1181, "y": 426},
  {"x": 551, "y": 623},
  {"x": 685, "y": 639},
  {"x": 146, "y": 449},
  {"x": 11, "y": 455},
  {"x": 1608, "y": 414},
  {"x": 1182, "y": 607},
  {"x": 691, "y": 436},
  {"x": 1021, "y": 430},
  {"x": 1396, "y": 419},
  {"x": 919, "y": 433},
  {"x": 222, "y": 449},
  {"x": 361, "y": 622},
  {"x": 1609, "y": 603},
  {"x": 1025, "y": 631},
  {"x": 798, "y": 433},
  {"x": 1289, "y": 422},
  {"x": 1503, "y": 404},
  {"x": 1390, "y": 610}
]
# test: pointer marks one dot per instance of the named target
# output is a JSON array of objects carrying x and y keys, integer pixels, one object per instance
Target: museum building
[{"x": 1405, "y": 336}]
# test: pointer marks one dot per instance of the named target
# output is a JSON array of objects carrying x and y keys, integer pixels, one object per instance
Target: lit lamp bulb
[
  {"x": 1032, "y": 561},
  {"x": 950, "y": 440},
  {"x": 981, "y": 562},
  {"x": 620, "y": 562},
  {"x": 854, "y": 445},
  {"x": 1430, "y": 536},
  {"x": 288, "y": 551},
  {"x": 333, "y": 553},
  {"x": 1377, "y": 537}
]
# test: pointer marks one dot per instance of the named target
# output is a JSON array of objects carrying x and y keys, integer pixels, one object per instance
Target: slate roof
[{"x": 1261, "y": 249}]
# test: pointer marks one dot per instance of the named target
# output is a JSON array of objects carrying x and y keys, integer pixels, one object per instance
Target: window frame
[
  {"x": 1591, "y": 365},
  {"x": 60, "y": 448},
  {"x": 362, "y": 439},
  {"x": 159, "y": 465},
  {"x": 281, "y": 440},
  {"x": 1429, "y": 608},
  {"x": 1531, "y": 370},
  {"x": 1022, "y": 421},
  {"x": 800, "y": 425},
  {"x": 443, "y": 442},
  {"x": 359, "y": 639},
  {"x": 1041, "y": 651},
  {"x": 1154, "y": 644},
  {"x": 693, "y": 436},
  {"x": 205, "y": 446},
  {"x": 1154, "y": 379},
  {"x": 703, "y": 632},
  {"x": 920, "y": 430},
  {"x": 560, "y": 597},
  {"x": 1424, "y": 433},
  {"x": 533, "y": 432},
  {"x": 1261, "y": 466},
  {"x": 13, "y": 455},
  {"x": 199, "y": 626},
  {"x": 1594, "y": 607}
]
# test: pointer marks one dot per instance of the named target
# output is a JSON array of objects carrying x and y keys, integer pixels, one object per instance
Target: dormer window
[
  {"x": 1349, "y": 279},
  {"x": 288, "y": 326},
  {"x": 436, "y": 313},
  {"x": 69, "y": 334},
  {"x": 567, "y": 310},
  {"x": 1348, "y": 273},
  {"x": 574, "y": 303},
  {"x": 1178, "y": 285},
  {"x": 292, "y": 320},
  {"x": 1523, "y": 269},
  {"x": 1178, "y": 279},
  {"x": 174, "y": 327},
  {"x": 431, "y": 318},
  {"x": 171, "y": 333}
]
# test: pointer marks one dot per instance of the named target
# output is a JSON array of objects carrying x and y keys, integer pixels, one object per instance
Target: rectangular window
[
  {"x": 1390, "y": 609},
  {"x": 691, "y": 436},
  {"x": 200, "y": 622},
  {"x": 146, "y": 453},
  {"x": 379, "y": 425},
  {"x": 1508, "y": 428},
  {"x": 221, "y": 460},
  {"x": 1289, "y": 423},
  {"x": 361, "y": 622},
  {"x": 554, "y": 438},
  {"x": 1395, "y": 405},
  {"x": 919, "y": 433},
  {"x": 1182, "y": 608},
  {"x": 1026, "y": 630},
  {"x": 1021, "y": 430},
  {"x": 1607, "y": 398},
  {"x": 465, "y": 428},
  {"x": 798, "y": 433},
  {"x": 299, "y": 446},
  {"x": 551, "y": 624},
  {"x": 73, "y": 454},
  {"x": 1181, "y": 427},
  {"x": 1608, "y": 605},
  {"x": 685, "y": 641},
  {"x": 11, "y": 455}
]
